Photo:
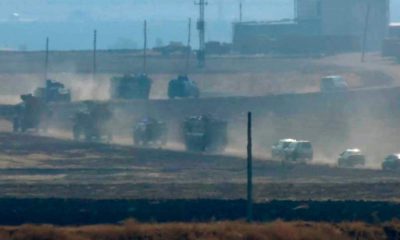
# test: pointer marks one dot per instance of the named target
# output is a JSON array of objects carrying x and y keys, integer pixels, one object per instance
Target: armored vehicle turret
[{"x": 53, "y": 92}]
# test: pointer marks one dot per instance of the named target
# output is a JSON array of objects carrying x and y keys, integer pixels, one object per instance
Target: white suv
[
  {"x": 333, "y": 84},
  {"x": 351, "y": 158},
  {"x": 278, "y": 149},
  {"x": 299, "y": 152}
]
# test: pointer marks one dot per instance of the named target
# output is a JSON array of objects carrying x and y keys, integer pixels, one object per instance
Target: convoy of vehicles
[{"x": 201, "y": 133}]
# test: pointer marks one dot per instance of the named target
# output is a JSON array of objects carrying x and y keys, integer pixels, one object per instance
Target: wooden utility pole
[
  {"x": 365, "y": 36},
  {"x": 249, "y": 169},
  {"x": 46, "y": 59},
  {"x": 94, "y": 67},
  {"x": 188, "y": 52},
  {"x": 145, "y": 47},
  {"x": 201, "y": 54}
]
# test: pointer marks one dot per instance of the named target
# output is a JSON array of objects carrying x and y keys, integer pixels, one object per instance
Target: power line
[
  {"x": 145, "y": 47},
  {"x": 188, "y": 53}
]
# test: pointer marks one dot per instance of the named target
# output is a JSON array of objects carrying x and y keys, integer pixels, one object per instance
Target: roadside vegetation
[{"x": 207, "y": 231}]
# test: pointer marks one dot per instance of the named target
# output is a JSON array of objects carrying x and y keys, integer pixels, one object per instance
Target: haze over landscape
[
  {"x": 271, "y": 128},
  {"x": 26, "y": 23}
]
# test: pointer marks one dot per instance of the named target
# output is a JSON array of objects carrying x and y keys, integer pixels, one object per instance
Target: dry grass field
[
  {"x": 207, "y": 231},
  {"x": 33, "y": 166}
]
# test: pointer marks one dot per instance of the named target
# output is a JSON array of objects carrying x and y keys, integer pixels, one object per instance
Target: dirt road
[{"x": 35, "y": 166}]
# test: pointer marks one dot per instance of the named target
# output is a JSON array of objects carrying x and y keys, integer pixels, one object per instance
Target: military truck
[
  {"x": 205, "y": 133},
  {"x": 149, "y": 132},
  {"x": 130, "y": 87},
  {"x": 32, "y": 113},
  {"x": 93, "y": 122},
  {"x": 183, "y": 87},
  {"x": 53, "y": 92}
]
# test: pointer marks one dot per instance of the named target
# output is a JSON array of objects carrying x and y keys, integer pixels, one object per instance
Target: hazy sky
[
  {"x": 61, "y": 10},
  {"x": 58, "y": 10},
  {"x": 69, "y": 23}
]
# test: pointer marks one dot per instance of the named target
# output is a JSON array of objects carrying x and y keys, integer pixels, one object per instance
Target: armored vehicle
[
  {"x": 31, "y": 113},
  {"x": 205, "y": 133},
  {"x": 149, "y": 131},
  {"x": 130, "y": 87},
  {"x": 93, "y": 122},
  {"x": 182, "y": 87},
  {"x": 53, "y": 92}
]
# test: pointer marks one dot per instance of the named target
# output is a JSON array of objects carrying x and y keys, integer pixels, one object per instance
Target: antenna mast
[
  {"x": 189, "y": 50},
  {"x": 201, "y": 55},
  {"x": 365, "y": 34},
  {"x": 46, "y": 59},
  {"x": 145, "y": 47}
]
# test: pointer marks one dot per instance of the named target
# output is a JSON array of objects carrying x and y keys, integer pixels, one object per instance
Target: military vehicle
[
  {"x": 391, "y": 162},
  {"x": 149, "y": 131},
  {"x": 31, "y": 113},
  {"x": 333, "y": 84},
  {"x": 93, "y": 122},
  {"x": 53, "y": 92},
  {"x": 351, "y": 158},
  {"x": 183, "y": 87},
  {"x": 278, "y": 149},
  {"x": 299, "y": 152},
  {"x": 131, "y": 87},
  {"x": 205, "y": 134}
]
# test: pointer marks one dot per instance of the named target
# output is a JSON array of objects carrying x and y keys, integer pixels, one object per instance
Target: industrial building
[{"x": 320, "y": 26}]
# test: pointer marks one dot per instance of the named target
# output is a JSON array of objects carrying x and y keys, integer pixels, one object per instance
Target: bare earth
[{"x": 35, "y": 166}]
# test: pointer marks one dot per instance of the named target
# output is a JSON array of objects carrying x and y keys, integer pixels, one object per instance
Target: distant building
[{"x": 335, "y": 21}]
